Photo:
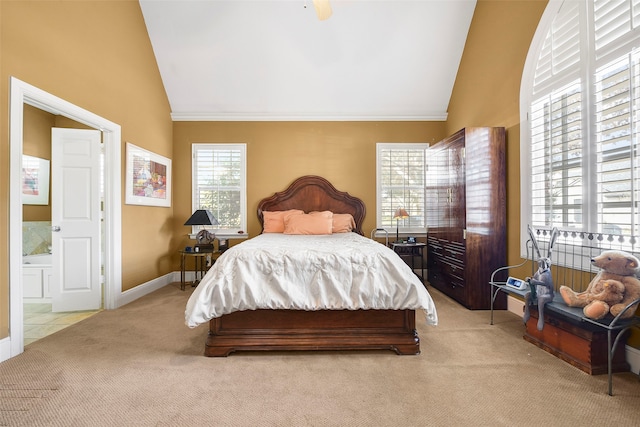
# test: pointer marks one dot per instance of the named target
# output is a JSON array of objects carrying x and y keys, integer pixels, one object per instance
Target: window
[
  {"x": 219, "y": 185},
  {"x": 401, "y": 183},
  {"x": 581, "y": 97}
]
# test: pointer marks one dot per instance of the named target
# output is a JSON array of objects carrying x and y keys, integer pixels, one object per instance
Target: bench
[{"x": 594, "y": 346}]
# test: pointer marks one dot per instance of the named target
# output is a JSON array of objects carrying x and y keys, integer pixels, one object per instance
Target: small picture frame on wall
[
  {"x": 35, "y": 180},
  {"x": 148, "y": 178}
]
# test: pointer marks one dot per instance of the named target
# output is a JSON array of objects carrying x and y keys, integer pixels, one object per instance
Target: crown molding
[{"x": 217, "y": 117}]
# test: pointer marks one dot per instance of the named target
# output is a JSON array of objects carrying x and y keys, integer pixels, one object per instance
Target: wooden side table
[
  {"x": 200, "y": 265},
  {"x": 411, "y": 251}
]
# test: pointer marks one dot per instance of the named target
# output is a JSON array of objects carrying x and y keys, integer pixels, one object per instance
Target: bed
[{"x": 282, "y": 292}]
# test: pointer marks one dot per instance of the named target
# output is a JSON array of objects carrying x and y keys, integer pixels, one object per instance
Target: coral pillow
[
  {"x": 316, "y": 223},
  {"x": 343, "y": 223},
  {"x": 273, "y": 222},
  {"x": 324, "y": 214}
]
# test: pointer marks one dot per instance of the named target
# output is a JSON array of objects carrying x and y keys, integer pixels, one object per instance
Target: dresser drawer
[
  {"x": 452, "y": 287},
  {"x": 453, "y": 269},
  {"x": 455, "y": 254}
]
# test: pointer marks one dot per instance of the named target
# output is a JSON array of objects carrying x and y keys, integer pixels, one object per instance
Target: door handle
[{"x": 55, "y": 228}]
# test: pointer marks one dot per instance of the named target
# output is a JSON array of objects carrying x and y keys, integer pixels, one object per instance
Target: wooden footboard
[{"x": 313, "y": 330}]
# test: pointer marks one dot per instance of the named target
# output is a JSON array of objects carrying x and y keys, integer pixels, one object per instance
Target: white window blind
[
  {"x": 614, "y": 21},
  {"x": 219, "y": 183},
  {"x": 582, "y": 131},
  {"x": 560, "y": 52},
  {"x": 617, "y": 182},
  {"x": 401, "y": 183},
  {"x": 556, "y": 157}
]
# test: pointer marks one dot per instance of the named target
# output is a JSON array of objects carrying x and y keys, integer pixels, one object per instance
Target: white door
[{"x": 75, "y": 219}]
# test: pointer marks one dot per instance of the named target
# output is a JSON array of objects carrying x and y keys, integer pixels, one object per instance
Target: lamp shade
[
  {"x": 202, "y": 217},
  {"x": 400, "y": 214}
]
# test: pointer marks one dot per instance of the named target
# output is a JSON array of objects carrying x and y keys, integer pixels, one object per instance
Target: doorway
[
  {"x": 22, "y": 93},
  {"x": 75, "y": 154},
  {"x": 40, "y": 321}
]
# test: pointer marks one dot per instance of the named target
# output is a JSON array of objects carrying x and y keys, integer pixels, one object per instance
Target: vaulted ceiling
[{"x": 275, "y": 60}]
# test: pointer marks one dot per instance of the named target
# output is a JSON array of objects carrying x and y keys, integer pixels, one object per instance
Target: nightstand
[
  {"x": 202, "y": 261},
  {"x": 409, "y": 252}
]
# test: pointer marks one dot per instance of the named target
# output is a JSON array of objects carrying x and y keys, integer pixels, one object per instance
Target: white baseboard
[
  {"x": 146, "y": 288},
  {"x": 515, "y": 305},
  {"x": 5, "y": 349},
  {"x": 633, "y": 359}
]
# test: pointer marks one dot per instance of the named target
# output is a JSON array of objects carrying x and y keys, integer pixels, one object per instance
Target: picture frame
[
  {"x": 35, "y": 180},
  {"x": 148, "y": 178}
]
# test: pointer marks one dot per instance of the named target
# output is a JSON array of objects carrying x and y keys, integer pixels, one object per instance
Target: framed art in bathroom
[
  {"x": 148, "y": 178},
  {"x": 35, "y": 180}
]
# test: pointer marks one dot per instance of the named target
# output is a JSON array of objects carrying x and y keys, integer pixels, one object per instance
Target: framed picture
[
  {"x": 35, "y": 181},
  {"x": 148, "y": 178}
]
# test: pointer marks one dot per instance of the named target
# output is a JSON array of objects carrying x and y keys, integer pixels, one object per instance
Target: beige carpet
[{"x": 140, "y": 366}]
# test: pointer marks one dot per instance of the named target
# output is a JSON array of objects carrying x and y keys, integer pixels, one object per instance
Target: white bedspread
[{"x": 279, "y": 271}]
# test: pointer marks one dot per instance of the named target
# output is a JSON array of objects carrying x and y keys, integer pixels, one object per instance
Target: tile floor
[{"x": 39, "y": 321}]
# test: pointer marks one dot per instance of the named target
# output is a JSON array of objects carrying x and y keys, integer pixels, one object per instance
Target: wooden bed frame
[{"x": 314, "y": 330}]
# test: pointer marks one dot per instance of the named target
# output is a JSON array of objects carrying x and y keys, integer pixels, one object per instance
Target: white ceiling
[{"x": 274, "y": 60}]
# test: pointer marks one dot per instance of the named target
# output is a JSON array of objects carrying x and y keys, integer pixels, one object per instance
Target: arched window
[{"x": 580, "y": 115}]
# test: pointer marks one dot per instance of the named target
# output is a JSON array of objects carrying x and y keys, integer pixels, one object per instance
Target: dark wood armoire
[{"x": 466, "y": 214}]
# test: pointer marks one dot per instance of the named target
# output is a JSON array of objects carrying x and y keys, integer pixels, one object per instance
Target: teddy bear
[
  {"x": 604, "y": 295},
  {"x": 611, "y": 290}
]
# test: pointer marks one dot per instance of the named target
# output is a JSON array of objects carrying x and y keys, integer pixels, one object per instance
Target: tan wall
[
  {"x": 279, "y": 152},
  {"x": 486, "y": 93},
  {"x": 36, "y": 141},
  {"x": 97, "y": 55},
  {"x": 487, "y": 88}
]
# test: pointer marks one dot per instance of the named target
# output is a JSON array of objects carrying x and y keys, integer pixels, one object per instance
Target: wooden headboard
[{"x": 314, "y": 193}]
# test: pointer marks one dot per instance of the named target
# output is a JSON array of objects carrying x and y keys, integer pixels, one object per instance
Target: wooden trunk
[
  {"x": 313, "y": 330},
  {"x": 580, "y": 344}
]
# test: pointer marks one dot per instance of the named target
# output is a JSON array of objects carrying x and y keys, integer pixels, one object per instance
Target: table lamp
[
  {"x": 204, "y": 237},
  {"x": 400, "y": 214}
]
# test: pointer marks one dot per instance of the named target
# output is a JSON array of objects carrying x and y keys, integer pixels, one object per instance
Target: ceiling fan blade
[{"x": 323, "y": 9}]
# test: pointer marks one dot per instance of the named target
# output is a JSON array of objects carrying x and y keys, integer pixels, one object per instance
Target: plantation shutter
[
  {"x": 402, "y": 182},
  {"x": 560, "y": 53},
  {"x": 616, "y": 93},
  {"x": 218, "y": 182},
  {"x": 555, "y": 118},
  {"x": 557, "y": 157},
  {"x": 614, "y": 21},
  {"x": 584, "y": 119}
]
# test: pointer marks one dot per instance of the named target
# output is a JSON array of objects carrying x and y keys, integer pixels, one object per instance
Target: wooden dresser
[{"x": 466, "y": 214}]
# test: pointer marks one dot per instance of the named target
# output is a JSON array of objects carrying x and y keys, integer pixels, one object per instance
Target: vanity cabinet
[
  {"x": 36, "y": 284},
  {"x": 466, "y": 214}
]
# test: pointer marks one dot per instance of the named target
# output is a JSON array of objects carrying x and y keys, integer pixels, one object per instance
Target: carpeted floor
[{"x": 140, "y": 366}]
